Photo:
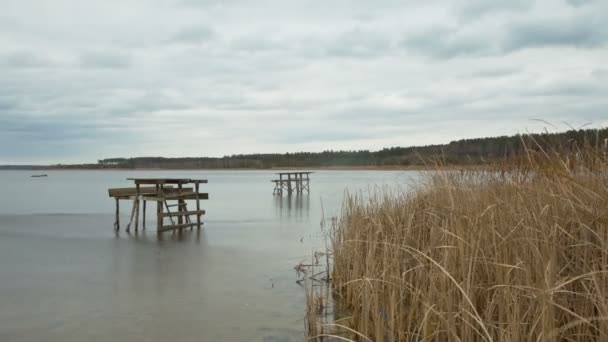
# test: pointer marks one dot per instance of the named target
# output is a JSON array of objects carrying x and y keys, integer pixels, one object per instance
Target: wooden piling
[
  {"x": 159, "y": 210},
  {"x": 137, "y": 207},
  {"x": 117, "y": 222},
  {"x": 159, "y": 215},
  {"x": 128, "y": 229},
  {"x": 198, "y": 207},
  {"x": 144, "y": 217},
  {"x": 180, "y": 205}
]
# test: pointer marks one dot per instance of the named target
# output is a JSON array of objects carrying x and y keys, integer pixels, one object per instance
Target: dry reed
[{"x": 516, "y": 252}]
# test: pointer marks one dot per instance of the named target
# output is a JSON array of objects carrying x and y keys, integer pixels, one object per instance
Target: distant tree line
[{"x": 461, "y": 152}]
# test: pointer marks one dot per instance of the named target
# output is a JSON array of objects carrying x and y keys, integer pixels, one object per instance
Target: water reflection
[
  {"x": 297, "y": 206},
  {"x": 179, "y": 235}
]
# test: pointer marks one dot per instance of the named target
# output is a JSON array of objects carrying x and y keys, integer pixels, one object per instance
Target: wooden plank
[
  {"x": 187, "y": 196},
  {"x": 185, "y": 213},
  {"x": 295, "y": 173},
  {"x": 166, "y": 180},
  {"x": 191, "y": 196},
  {"x": 125, "y": 192}
]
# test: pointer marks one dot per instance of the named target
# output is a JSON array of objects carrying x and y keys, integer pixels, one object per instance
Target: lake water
[{"x": 66, "y": 276}]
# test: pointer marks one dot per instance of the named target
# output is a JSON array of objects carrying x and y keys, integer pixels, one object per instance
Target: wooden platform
[
  {"x": 163, "y": 191},
  {"x": 292, "y": 181}
]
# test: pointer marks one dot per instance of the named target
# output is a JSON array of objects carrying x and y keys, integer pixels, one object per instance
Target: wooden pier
[
  {"x": 290, "y": 182},
  {"x": 167, "y": 193}
]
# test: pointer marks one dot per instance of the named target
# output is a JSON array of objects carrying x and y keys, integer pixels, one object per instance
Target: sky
[{"x": 86, "y": 80}]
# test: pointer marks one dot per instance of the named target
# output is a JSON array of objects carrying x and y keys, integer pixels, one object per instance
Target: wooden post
[
  {"x": 144, "y": 217},
  {"x": 198, "y": 208},
  {"x": 297, "y": 183},
  {"x": 281, "y": 181},
  {"x": 307, "y": 183},
  {"x": 301, "y": 184},
  {"x": 128, "y": 229},
  {"x": 180, "y": 207},
  {"x": 159, "y": 209},
  {"x": 117, "y": 222},
  {"x": 137, "y": 205},
  {"x": 289, "y": 190}
]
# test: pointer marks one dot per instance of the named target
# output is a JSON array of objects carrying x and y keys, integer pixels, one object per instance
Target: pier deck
[
  {"x": 162, "y": 192},
  {"x": 292, "y": 181}
]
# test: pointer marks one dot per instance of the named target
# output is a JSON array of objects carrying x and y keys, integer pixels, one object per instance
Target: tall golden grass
[{"x": 517, "y": 251}]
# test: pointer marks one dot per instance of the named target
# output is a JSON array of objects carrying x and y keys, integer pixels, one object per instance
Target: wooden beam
[
  {"x": 185, "y": 213},
  {"x": 166, "y": 180},
  {"x": 186, "y": 196},
  {"x": 125, "y": 192}
]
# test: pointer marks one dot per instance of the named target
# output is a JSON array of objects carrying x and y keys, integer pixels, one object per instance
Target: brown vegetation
[{"x": 516, "y": 253}]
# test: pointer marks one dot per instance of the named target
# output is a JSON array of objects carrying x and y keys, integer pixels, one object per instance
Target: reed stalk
[{"x": 516, "y": 251}]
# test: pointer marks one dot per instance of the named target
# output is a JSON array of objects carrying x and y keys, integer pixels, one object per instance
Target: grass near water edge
[{"x": 516, "y": 252}]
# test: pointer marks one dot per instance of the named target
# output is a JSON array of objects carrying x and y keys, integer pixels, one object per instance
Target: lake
[{"x": 66, "y": 276}]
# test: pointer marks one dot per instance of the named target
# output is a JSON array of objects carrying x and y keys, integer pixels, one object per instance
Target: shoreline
[{"x": 320, "y": 168}]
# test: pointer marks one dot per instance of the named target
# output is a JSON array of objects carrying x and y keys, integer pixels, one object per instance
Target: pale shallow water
[{"x": 66, "y": 276}]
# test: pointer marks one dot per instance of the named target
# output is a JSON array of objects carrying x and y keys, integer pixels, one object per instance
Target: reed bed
[{"x": 517, "y": 251}]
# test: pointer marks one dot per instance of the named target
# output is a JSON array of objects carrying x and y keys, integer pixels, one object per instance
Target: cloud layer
[{"x": 82, "y": 81}]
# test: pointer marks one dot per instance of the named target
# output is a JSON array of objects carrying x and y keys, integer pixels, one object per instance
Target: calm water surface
[{"x": 66, "y": 276}]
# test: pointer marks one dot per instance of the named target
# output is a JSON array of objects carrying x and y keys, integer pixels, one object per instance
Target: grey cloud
[
  {"x": 600, "y": 73},
  {"x": 206, "y": 3},
  {"x": 45, "y": 129},
  {"x": 582, "y": 32},
  {"x": 445, "y": 44},
  {"x": 27, "y": 60},
  {"x": 471, "y": 9},
  {"x": 568, "y": 89},
  {"x": 194, "y": 35},
  {"x": 579, "y": 3},
  {"x": 586, "y": 30},
  {"x": 105, "y": 59},
  {"x": 259, "y": 43},
  {"x": 324, "y": 134},
  {"x": 496, "y": 72},
  {"x": 359, "y": 43}
]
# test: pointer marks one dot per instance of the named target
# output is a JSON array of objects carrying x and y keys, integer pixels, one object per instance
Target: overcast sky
[{"x": 84, "y": 80}]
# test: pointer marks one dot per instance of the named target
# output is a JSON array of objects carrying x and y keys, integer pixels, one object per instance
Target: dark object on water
[{"x": 45, "y": 175}]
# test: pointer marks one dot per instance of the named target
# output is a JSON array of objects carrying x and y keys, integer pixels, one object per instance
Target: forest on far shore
[{"x": 461, "y": 152}]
